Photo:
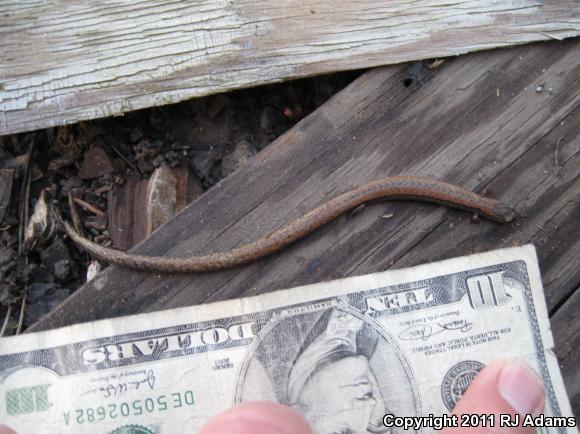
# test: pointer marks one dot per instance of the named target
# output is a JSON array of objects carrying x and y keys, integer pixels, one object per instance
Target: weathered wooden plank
[
  {"x": 62, "y": 61},
  {"x": 566, "y": 330}
]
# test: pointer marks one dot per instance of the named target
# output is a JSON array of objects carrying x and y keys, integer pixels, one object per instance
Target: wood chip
[
  {"x": 188, "y": 186},
  {"x": 44, "y": 223},
  {"x": 127, "y": 225},
  {"x": 88, "y": 206},
  {"x": 161, "y": 197},
  {"x": 169, "y": 191},
  {"x": 93, "y": 269},
  {"x": 96, "y": 164},
  {"x": 137, "y": 208}
]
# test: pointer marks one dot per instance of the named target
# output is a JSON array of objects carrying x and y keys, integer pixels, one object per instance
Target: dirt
[{"x": 211, "y": 136}]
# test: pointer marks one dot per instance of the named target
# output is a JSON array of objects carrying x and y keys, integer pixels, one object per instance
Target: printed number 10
[{"x": 487, "y": 290}]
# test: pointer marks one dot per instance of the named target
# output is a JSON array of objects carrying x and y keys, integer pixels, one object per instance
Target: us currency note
[{"x": 344, "y": 353}]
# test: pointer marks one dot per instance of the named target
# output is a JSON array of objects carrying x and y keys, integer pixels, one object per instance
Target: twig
[
  {"x": 126, "y": 160},
  {"x": 21, "y": 317},
  {"x": 24, "y": 217},
  {"x": 556, "y": 159},
  {"x": 6, "y": 321},
  {"x": 436, "y": 63},
  {"x": 103, "y": 189},
  {"x": 88, "y": 206},
  {"x": 95, "y": 225},
  {"x": 73, "y": 213},
  {"x": 25, "y": 198}
]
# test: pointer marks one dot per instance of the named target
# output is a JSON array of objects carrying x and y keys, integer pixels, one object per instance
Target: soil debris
[{"x": 125, "y": 176}]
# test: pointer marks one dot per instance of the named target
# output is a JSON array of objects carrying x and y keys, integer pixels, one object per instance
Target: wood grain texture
[
  {"x": 478, "y": 121},
  {"x": 62, "y": 61}
]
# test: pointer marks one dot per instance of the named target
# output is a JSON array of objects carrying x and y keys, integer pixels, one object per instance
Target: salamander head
[{"x": 503, "y": 213}]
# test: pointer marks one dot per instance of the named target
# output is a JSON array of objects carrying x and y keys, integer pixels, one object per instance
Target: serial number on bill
[{"x": 136, "y": 407}]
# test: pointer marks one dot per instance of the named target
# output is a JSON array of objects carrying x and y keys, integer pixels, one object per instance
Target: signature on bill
[
  {"x": 116, "y": 388},
  {"x": 425, "y": 331}
]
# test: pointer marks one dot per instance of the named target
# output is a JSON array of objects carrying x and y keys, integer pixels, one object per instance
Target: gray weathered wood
[
  {"x": 478, "y": 121},
  {"x": 63, "y": 61}
]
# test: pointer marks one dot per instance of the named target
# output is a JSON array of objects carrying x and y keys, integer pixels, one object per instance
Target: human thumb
[
  {"x": 259, "y": 417},
  {"x": 507, "y": 387}
]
